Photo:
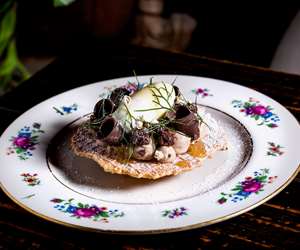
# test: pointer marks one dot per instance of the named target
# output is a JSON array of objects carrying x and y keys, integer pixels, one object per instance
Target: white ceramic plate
[{"x": 262, "y": 159}]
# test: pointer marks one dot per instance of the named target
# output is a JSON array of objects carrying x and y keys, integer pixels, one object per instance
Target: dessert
[{"x": 150, "y": 132}]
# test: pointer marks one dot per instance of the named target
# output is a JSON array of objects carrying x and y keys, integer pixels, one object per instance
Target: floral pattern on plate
[
  {"x": 174, "y": 213},
  {"x": 80, "y": 210},
  {"x": 31, "y": 179},
  {"x": 25, "y": 142},
  {"x": 261, "y": 113},
  {"x": 65, "y": 110},
  {"x": 130, "y": 86},
  {"x": 250, "y": 185},
  {"x": 203, "y": 92},
  {"x": 274, "y": 150}
]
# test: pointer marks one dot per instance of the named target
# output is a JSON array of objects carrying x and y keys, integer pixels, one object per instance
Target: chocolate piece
[
  {"x": 110, "y": 131},
  {"x": 186, "y": 122},
  {"x": 103, "y": 108},
  {"x": 193, "y": 107},
  {"x": 177, "y": 91},
  {"x": 117, "y": 95},
  {"x": 171, "y": 115},
  {"x": 140, "y": 137},
  {"x": 86, "y": 140},
  {"x": 166, "y": 137}
]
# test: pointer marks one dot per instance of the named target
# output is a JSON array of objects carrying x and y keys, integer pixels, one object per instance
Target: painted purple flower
[
  {"x": 262, "y": 114},
  {"x": 260, "y": 110},
  {"x": 249, "y": 110},
  {"x": 22, "y": 142},
  {"x": 81, "y": 210},
  {"x": 84, "y": 212},
  {"x": 251, "y": 185},
  {"x": 95, "y": 209}
]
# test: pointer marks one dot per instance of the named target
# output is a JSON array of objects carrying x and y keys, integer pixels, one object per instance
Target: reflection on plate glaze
[
  {"x": 24, "y": 143},
  {"x": 28, "y": 196},
  {"x": 174, "y": 213},
  {"x": 80, "y": 210},
  {"x": 262, "y": 114},
  {"x": 274, "y": 150},
  {"x": 31, "y": 179},
  {"x": 248, "y": 186},
  {"x": 65, "y": 110},
  {"x": 203, "y": 92}
]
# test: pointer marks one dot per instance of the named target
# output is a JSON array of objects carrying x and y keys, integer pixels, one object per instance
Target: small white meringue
[
  {"x": 165, "y": 154},
  {"x": 181, "y": 143}
]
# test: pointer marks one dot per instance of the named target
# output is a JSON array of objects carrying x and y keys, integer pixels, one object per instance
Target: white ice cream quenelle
[{"x": 147, "y": 104}]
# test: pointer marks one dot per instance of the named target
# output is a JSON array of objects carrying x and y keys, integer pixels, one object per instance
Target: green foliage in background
[
  {"x": 58, "y": 3},
  {"x": 12, "y": 71}
]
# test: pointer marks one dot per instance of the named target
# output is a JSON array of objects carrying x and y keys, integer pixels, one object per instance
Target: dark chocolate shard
[
  {"x": 166, "y": 137},
  {"x": 103, "y": 108},
  {"x": 186, "y": 122},
  {"x": 117, "y": 95},
  {"x": 176, "y": 89},
  {"x": 110, "y": 131},
  {"x": 192, "y": 107}
]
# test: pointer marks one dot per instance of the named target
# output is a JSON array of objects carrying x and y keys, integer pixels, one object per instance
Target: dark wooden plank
[{"x": 75, "y": 70}]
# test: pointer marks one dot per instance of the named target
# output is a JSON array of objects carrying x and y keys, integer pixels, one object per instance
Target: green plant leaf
[
  {"x": 10, "y": 62},
  {"x": 104, "y": 214},
  {"x": 7, "y": 28},
  {"x": 4, "y": 81},
  {"x": 59, "y": 3},
  {"x": 80, "y": 205},
  {"x": 23, "y": 70}
]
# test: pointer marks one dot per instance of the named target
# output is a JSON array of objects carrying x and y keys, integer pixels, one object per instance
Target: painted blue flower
[
  {"x": 23, "y": 133},
  {"x": 267, "y": 115},
  {"x": 243, "y": 193},
  {"x": 71, "y": 209},
  {"x": 68, "y": 110}
]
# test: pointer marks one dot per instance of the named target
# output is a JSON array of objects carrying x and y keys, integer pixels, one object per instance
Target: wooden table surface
[{"x": 274, "y": 224}]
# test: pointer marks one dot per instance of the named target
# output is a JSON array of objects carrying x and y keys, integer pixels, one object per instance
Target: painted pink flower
[
  {"x": 260, "y": 110},
  {"x": 199, "y": 91},
  {"x": 131, "y": 87},
  {"x": 22, "y": 142},
  {"x": 251, "y": 186},
  {"x": 85, "y": 212}
]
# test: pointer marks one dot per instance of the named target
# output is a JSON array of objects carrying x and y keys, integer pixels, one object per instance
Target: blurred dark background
[{"x": 243, "y": 33}]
